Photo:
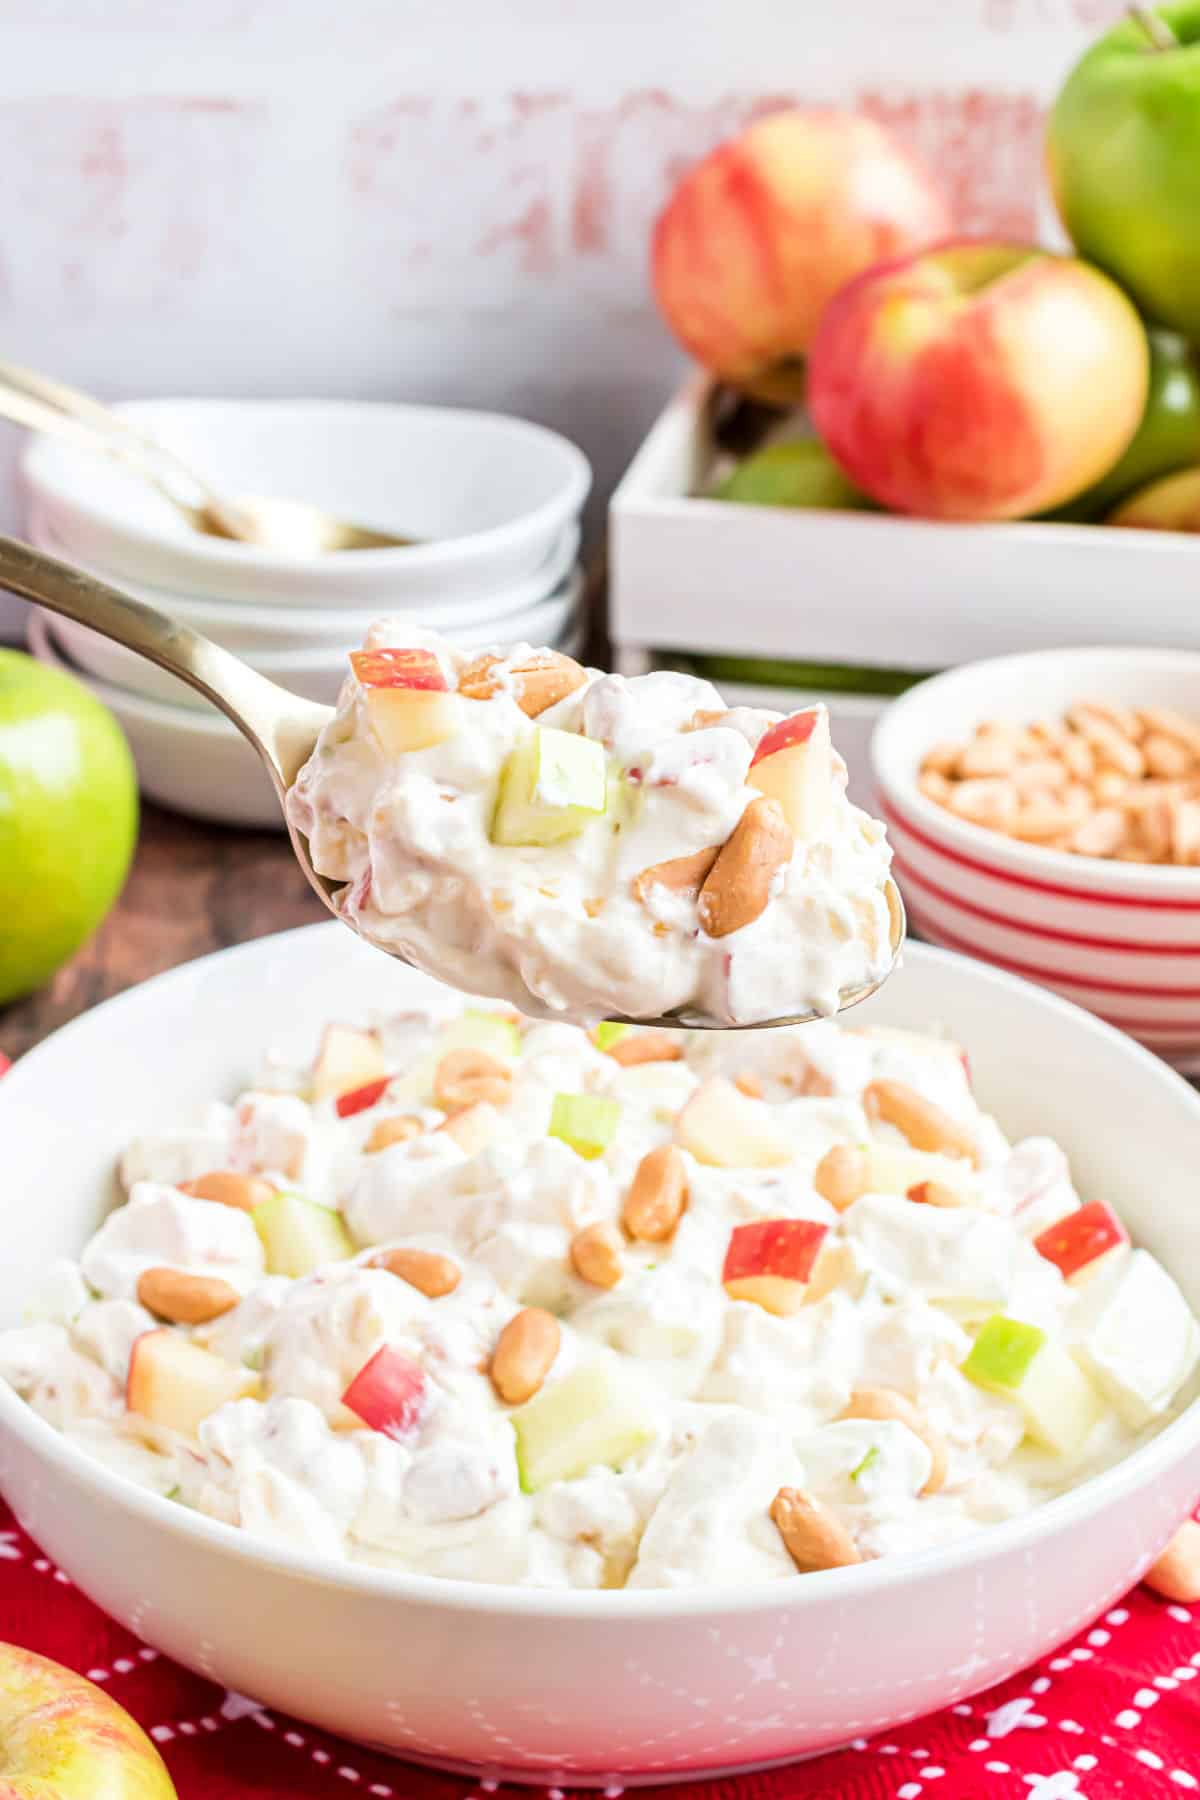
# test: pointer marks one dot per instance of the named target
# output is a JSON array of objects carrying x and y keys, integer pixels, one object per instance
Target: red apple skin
[
  {"x": 978, "y": 380},
  {"x": 5, "y": 1063},
  {"x": 392, "y": 668},
  {"x": 785, "y": 1248},
  {"x": 794, "y": 730},
  {"x": 759, "y": 235},
  {"x": 1081, "y": 1238},
  {"x": 63, "y": 1738},
  {"x": 388, "y": 1393},
  {"x": 360, "y": 1098}
]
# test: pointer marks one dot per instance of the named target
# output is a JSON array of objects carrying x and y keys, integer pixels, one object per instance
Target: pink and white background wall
[{"x": 448, "y": 200}]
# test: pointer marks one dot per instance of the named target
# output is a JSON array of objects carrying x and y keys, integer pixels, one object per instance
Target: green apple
[
  {"x": 609, "y": 1033},
  {"x": 1172, "y": 504},
  {"x": 479, "y": 1029},
  {"x": 798, "y": 473},
  {"x": 597, "y": 1414},
  {"x": 1059, "y": 1402},
  {"x": 68, "y": 819},
  {"x": 63, "y": 1738},
  {"x": 1123, "y": 152},
  {"x": 298, "y": 1235},
  {"x": 1167, "y": 439},
  {"x": 551, "y": 786},
  {"x": 587, "y": 1122}
]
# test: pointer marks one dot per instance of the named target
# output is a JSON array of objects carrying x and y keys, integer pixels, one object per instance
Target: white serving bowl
[
  {"x": 188, "y": 761},
  {"x": 241, "y": 626},
  {"x": 488, "y": 496},
  {"x": 1120, "y": 938},
  {"x": 317, "y": 674},
  {"x": 581, "y": 1687}
]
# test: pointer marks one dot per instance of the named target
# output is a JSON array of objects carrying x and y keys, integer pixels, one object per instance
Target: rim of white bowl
[
  {"x": 991, "y": 853},
  {"x": 221, "y": 553},
  {"x": 560, "y": 563},
  {"x": 1134, "y": 1471}
]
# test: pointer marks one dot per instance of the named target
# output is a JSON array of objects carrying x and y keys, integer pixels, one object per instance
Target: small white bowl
[
  {"x": 317, "y": 674},
  {"x": 241, "y": 626},
  {"x": 188, "y": 761},
  {"x": 558, "y": 1687},
  {"x": 488, "y": 496},
  {"x": 1120, "y": 938}
]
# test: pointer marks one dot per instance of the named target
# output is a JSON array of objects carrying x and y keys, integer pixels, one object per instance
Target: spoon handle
[
  {"x": 280, "y": 726},
  {"x": 119, "y": 434}
]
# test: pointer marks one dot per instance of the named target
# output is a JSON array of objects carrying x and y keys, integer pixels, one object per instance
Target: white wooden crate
[{"x": 868, "y": 589}]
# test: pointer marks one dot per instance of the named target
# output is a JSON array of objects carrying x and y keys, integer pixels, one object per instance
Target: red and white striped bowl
[{"x": 1122, "y": 939}]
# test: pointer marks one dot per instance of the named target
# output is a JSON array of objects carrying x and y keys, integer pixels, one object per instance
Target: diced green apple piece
[
  {"x": 174, "y": 1382},
  {"x": 298, "y": 1235},
  {"x": 597, "y": 1414},
  {"x": 725, "y": 1128},
  {"x": 348, "y": 1058},
  {"x": 478, "y": 1029},
  {"x": 1060, "y": 1404},
  {"x": 551, "y": 786},
  {"x": 609, "y": 1032},
  {"x": 587, "y": 1122}
]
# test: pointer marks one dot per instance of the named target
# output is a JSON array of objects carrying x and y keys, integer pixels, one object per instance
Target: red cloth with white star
[{"x": 1116, "y": 1712}]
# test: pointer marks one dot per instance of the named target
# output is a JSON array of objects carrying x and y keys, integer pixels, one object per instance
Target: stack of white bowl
[{"x": 493, "y": 503}]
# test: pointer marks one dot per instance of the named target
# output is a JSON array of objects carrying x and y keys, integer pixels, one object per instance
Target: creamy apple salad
[
  {"x": 516, "y": 1302},
  {"x": 584, "y": 845}
]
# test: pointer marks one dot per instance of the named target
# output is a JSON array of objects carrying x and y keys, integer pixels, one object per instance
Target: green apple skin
[
  {"x": 1123, "y": 156},
  {"x": 1170, "y": 504},
  {"x": 797, "y": 473},
  {"x": 1167, "y": 439},
  {"x": 68, "y": 819},
  {"x": 62, "y": 1738}
]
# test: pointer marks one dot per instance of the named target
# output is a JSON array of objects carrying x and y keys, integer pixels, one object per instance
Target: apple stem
[{"x": 1155, "y": 27}]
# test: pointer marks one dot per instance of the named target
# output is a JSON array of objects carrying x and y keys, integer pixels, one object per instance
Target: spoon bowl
[{"x": 281, "y": 727}]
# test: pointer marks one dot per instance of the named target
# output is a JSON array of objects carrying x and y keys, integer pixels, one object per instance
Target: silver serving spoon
[
  {"x": 293, "y": 527},
  {"x": 281, "y": 727}
]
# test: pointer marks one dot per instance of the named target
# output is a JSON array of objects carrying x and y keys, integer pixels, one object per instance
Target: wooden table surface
[{"x": 193, "y": 888}]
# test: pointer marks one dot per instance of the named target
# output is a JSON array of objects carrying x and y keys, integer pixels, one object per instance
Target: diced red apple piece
[
  {"x": 399, "y": 667},
  {"x": 409, "y": 718},
  {"x": 1083, "y": 1242},
  {"x": 727, "y": 1129},
  {"x": 388, "y": 1393},
  {"x": 5, "y": 1063},
  {"x": 348, "y": 1059},
  {"x": 174, "y": 1382},
  {"x": 770, "y": 1262},
  {"x": 360, "y": 1099},
  {"x": 793, "y": 765}
]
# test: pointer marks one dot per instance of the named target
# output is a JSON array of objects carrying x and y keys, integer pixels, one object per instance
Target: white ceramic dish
[
  {"x": 188, "y": 761},
  {"x": 1119, "y": 938},
  {"x": 317, "y": 674},
  {"x": 583, "y": 1687},
  {"x": 487, "y": 495},
  {"x": 243, "y": 627}
]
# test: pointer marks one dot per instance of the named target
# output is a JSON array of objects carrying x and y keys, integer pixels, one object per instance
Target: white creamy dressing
[
  {"x": 559, "y": 930},
  {"x": 742, "y": 1401}
]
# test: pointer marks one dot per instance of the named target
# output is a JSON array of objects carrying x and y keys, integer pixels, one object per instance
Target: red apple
[
  {"x": 793, "y": 765},
  {"x": 408, "y": 698},
  {"x": 63, "y": 1738},
  {"x": 360, "y": 1098},
  {"x": 1080, "y": 1242},
  {"x": 770, "y": 1262},
  {"x": 979, "y": 380},
  {"x": 347, "y": 1059},
  {"x": 5, "y": 1063},
  {"x": 388, "y": 1393},
  {"x": 398, "y": 669},
  {"x": 760, "y": 234}
]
